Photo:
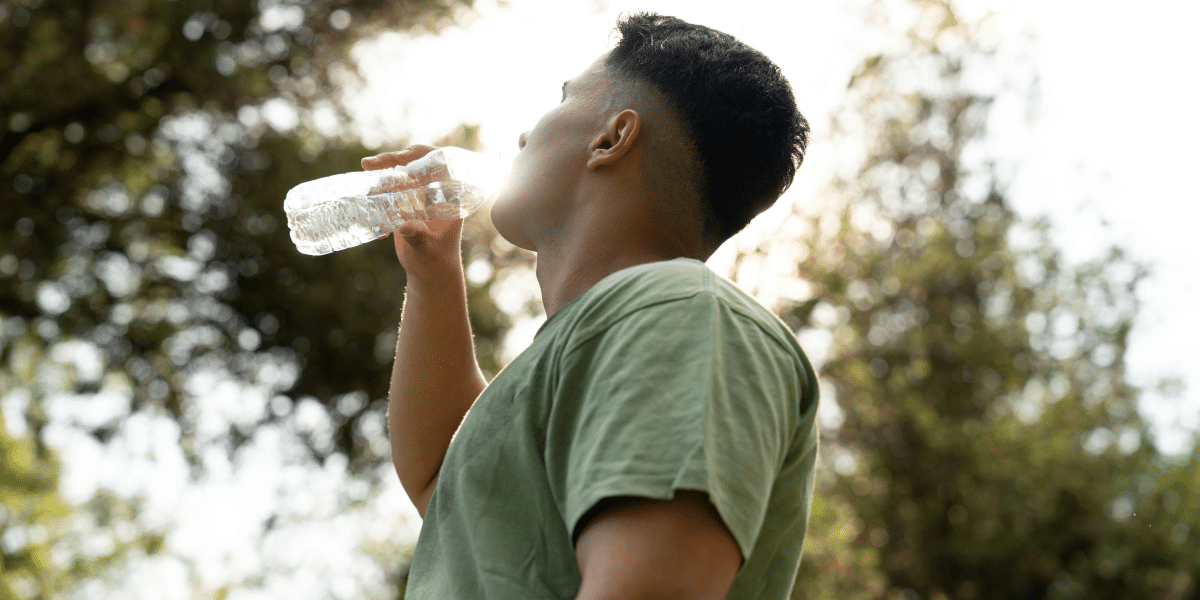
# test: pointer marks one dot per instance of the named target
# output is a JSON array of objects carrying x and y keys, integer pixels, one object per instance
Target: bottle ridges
[
  {"x": 341, "y": 211},
  {"x": 320, "y": 227}
]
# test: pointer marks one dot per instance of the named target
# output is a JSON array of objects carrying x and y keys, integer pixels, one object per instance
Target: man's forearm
[{"x": 435, "y": 379}]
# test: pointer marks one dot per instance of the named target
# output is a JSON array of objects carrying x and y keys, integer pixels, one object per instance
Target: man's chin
[
  {"x": 506, "y": 225},
  {"x": 520, "y": 243}
]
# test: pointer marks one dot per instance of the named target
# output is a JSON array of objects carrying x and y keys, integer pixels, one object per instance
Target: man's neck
[
  {"x": 566, "y": 274},
  {"x": 608, "y": 233}
]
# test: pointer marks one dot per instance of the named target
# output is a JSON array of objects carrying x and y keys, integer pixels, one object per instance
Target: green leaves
[
  {"x": 986, "y": 443},
  {"x": 145, "y": 152}
]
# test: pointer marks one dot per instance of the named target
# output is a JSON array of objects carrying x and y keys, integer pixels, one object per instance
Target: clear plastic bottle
[{"x": 342, "y": 211}]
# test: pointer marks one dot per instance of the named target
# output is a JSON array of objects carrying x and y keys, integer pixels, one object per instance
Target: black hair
[{"x": 738, "y": 110}]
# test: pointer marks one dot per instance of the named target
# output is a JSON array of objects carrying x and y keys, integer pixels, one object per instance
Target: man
[{"x": 657, "y": 438}]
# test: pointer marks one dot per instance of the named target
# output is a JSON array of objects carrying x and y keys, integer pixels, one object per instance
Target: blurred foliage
[
  {"x": 28, "y": 502},
  {"x": 145, "y": 150},
  {"x": 980, "y": 439}
]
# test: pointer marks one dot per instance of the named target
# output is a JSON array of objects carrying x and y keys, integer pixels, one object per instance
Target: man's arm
[
  {"x": 435, "y": 377},
  {"x": 643, "y": 549}
]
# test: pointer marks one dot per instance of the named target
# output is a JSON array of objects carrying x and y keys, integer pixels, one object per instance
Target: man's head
[
  {"x": 703, "y": 126},
  {"x": 737, "y": 108}
]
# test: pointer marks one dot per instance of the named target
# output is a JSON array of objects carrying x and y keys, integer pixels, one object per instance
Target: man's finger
[
  {"x": 385, "y": 161},
  {"x": 414, "y": 228},
  {"x": 398, "y": 158}
]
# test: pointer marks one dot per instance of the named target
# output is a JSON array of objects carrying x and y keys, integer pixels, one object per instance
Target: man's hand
[
  {"x": 642, "y": 549},
  {"x": 428, "y": 251}
]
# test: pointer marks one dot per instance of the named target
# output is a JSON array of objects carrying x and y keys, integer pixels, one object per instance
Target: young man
[{"x": 657, "y": 439}]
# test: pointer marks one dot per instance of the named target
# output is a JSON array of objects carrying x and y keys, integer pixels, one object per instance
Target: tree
[
  {"x": 31, "y": 509},
  {"x": 985, "y": 441},
  {"x": 146, "y": 150}
]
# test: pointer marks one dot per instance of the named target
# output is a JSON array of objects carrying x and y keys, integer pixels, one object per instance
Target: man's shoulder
[
  {"x": 664, "y": 281},
  {"x": 670, "y": 286},
  {"x": 654, "y": 282}
]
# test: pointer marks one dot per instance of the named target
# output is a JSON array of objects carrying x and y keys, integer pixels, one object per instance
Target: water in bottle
[{"x": 341, "y": 211}]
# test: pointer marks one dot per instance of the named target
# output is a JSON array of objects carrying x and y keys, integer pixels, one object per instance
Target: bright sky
[{"x": 1105, "y": 153}]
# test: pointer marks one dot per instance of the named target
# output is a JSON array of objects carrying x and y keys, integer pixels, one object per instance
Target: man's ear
[{"x": 614, "y": 142}]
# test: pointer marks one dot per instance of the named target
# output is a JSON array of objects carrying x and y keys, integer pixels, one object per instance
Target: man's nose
[{"x": 521, "y": 140}]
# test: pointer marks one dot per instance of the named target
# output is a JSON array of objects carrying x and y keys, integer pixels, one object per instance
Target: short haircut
[{"x": 738, "y": 109}]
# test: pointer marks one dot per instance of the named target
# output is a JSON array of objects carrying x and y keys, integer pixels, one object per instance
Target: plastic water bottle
[{"x": 342, "y": 211}]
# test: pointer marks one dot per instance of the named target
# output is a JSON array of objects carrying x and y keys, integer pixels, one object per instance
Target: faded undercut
[{"x": 735, "y": 107}]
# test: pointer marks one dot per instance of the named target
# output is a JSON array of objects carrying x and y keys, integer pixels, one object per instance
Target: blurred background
[{"x": 985, "y": 254}]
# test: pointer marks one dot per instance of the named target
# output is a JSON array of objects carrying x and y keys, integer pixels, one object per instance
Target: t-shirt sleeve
[{"x": 687, "y": 394}]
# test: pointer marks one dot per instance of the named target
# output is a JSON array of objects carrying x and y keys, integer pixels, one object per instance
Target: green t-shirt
[{"x": 661, "y": 377}]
